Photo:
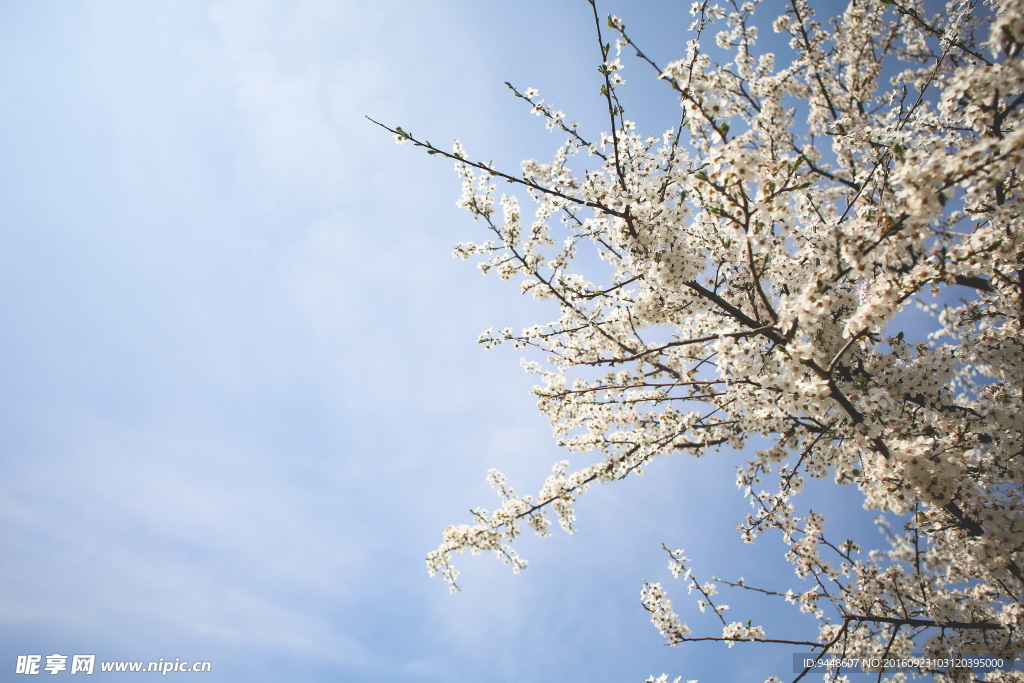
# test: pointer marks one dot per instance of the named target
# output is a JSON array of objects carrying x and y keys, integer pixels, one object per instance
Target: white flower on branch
[{"x": 758, "y": 261}]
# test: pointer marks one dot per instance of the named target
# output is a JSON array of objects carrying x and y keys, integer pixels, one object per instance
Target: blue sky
[{"x": 241, "y": 395}]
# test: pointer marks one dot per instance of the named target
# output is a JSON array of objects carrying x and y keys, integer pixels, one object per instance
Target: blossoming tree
[{"x": 755, "y": 261}]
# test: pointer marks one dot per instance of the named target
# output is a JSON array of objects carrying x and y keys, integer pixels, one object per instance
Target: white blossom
[{"x": 757, "y": 266}]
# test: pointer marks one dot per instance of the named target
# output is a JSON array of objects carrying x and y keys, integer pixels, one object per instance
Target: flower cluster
[{"x": 756, "y": 268}]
